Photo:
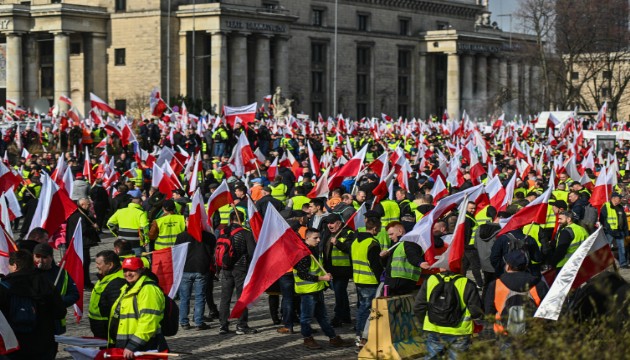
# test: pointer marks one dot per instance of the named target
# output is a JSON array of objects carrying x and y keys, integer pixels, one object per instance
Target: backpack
[
  {"x": 170, "y": 321},
  {"x": 445, "y": 307},
  {"x": 224, "y": 253},
  {"x": 519, "y": 306},
  {"x": 22, "y": 314}
]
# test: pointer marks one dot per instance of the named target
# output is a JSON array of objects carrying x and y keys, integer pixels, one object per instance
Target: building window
[
  {"x": 121, "y": 5},
  {"x": 361, "y": 110},
  {"x": 607, "y": 74},
  {"x": 119, "y": 57},
  {"x": 575, "y": 75},
  {"x": 317, "y": 78},
  {"x": 403, "y": 86},
  {"x": 442, "y": 25},
  {"x": 120, "y": 105},
  {"x": 605, "y": 92},
  {"x": 404, "y": 59},
  {"x": 317, "y": 53},
  {"x": 318, "y": 17},
  {"x": 402, "y": 110},
  {"x": 363, "y": 56},
  {"x": 362, "y": 22},
  {"x": 403, "y": 27},
  {"x": 75, "y": 48},
  {"x": 270, "y": 5},
  {"x": 362, "y": 84}
]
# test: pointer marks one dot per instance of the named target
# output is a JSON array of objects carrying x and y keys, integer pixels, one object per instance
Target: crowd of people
[{"x": 407, "y": 167}]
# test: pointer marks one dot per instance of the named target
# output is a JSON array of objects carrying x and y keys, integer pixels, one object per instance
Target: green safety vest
[
  {"x": 338, "y": 257},
  {"x": 299, "y": 201},
  {"x": 391, "y": 210},
  {"x": 465, "y": 327},
  {"x": 401, "y": 267},
  {"x": 481, "y": 218},
  {"x": 474, "y": 229},
  {"x": 279, "y": 192},
  {"x": 94, "y": 311},
  {"x": 138, "y": 179},
  {"x": 612, "y": 218},
  {"x": 561, "y": 195},
  {"x": 308, "y": 287},
  {"x": 286, "y": 142},
  {"x": 361, "y": 271},
  {"x": 130, "y": 220},
  {"x": 220, "y": 135},
  {"x": 218, "y": 174},
  {"x": 381, "y": 237},
  {"x": 224, "y": 214},
  {"x": 551, "y": 218},
  {"x": 579, "y": 235},
  {"x": 533, "y": 230},
  {"x": 170, "y": 226},
  {"x": 369, "y": 156}
]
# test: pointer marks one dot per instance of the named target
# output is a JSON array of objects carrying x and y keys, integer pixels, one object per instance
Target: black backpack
[
  {"x": 170, "y": 321},
  {"x": 445, "y": 306},
  {"x": 22, "y": 314}
]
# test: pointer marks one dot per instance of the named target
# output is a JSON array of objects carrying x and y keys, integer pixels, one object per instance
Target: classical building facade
[{"x": 400, "y": 57}]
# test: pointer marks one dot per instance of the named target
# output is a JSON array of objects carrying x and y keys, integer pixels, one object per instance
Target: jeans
[
  {"x": 342, "y": 303},
  {"x": 452, "y": 344},
  {"x": 231, "y": 280},
  {"x": 198, "y": 282},
  {"x": 219, "y": 149},
  {"x": 365, "y": 295},
  {"x": 289, "y": 299},
  {"x": 621, "y": 250},
  {"x": 313, "y": 306}
]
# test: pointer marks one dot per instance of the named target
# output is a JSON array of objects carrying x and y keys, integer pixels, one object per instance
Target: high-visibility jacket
[
  {"x": 286, "y": 143},
  {"x": 30, "y": 189},
  {"x": 308, "y": 287},
  {"x": 220, "y": 135},
  {"x": 299, "y": 201},
  {"x": 533, "y": 230},
  {"x": 465, "y": 327},
  {"x": 551, "y": 218},
  {"x": 361, "y": 271},
  {"x": 94, "y": 311},
  {"x": 218, "y": 174},
  {"x": 139, "y": 179},
  {"x": 338, "y": 257},
  {"x": 474, "y": 229},
  {"x": 611, "y": 217},
  {"x": 139, "y": 310},
  {"x": 561, "y": 195},
  {"x": 391, "y": 210},
  {"x": 480, "y": 218},
  {"x": 169, "y": 227},
  {"x": 579, "y": 235},
  {"x": 501, "y": 294},
  {"x": 279, "y": 192},
  {"x": 224, "y": 214},
  {"x": 369, "y": 156},
  {"x": 131, "y": 221},
  {"x": 401, "y": 267}
]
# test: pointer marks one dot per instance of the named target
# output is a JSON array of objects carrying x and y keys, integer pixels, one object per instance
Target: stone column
[
  {"x": 493, "y": 78},
  {"x": 503, "y": 73},
  {"x": 99, "y": 65},
  {"x": 281, "y": 69},
  {"x": 535, "y": 88},
  {"x": 467, "y": 81},
  {"x": 262, "y": 68},
  {"x": 198, "y": 61},
  {"x": 14, "y": 68},
  {"x": 514, "y": 74},
  {"x": 218, "y": 70},
  {"x": 238, "y": 69},
  {"x": 183, "y": 64},
  {"x": 421, "y": 87},
  {"x": 526, "y": 94},
  {"x": 31, "y": 67},
  {"x": 452, "y": 85},
  {"x": 62, "y": 67},
  {"x": 482, "y": 80}
]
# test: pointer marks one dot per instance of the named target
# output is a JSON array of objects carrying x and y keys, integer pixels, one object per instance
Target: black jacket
[
  {"x": 261, "y": 204},
  {"x": 471, "y": 300},
  {"x": 400, "y": 286},
  {"x": 108, "y": 297},
  {"x": 501, "y": 247},
  {"x": 327, "y": 247},
  {"x": 200, "y": 255},
  {"x": 243, "y": 244},
  {"x": 90, "y": 235}
]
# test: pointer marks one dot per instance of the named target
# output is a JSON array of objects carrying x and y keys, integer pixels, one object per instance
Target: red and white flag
[
  {"x": 439, "y": 190},
  {"x": 162, "y": 181},
  {"x": 7, "y": 178},
  {"x": 65, "y": 99},
  {"x": 350, "y": 169},
  {"x": 272, "y": 170},
  {"x": 246, "y": 113},
  {"x": 13, "y": 206},
  {"x": 220, "y": 197},
  {"x": 156, "y": 104},
  {"x": 278, "y": 250},
  {"x": 321, "y": 189},
  {"x": 8, "y": 341},
  {"x": 602, "y": 190},
  {"x": 535, "y": 211},
  {"x": 25, "y": 154},
  {"x": 255, "y": 220},
  {"x": 602, "y": 122},
  {"x": 243, "y": 157},
  {"x": 509, "y": 194},
  {"x": 456, "y": 248},
  {"x": 168, "y": 265},
  {"x": 198, "y": 218},
  {"x": 97, "y": 102},
  {"x": 73, "y": 260},
  {"x": 591, "y": 258},
  {"x": 357, "y": 220},
  {"x": 87, "y": 169},
  {"x": 54, "y": 207},
  {"x": 313, "y": 161},
  {"x": 495, "y": 191},
  {"x": 67, "y": 181}
]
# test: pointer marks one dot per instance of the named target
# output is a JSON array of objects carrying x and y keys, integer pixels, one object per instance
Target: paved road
[{"x": 267, "y": 344}]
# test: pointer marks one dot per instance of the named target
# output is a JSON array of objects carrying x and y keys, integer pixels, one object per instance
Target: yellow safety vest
[
  {"x": 308, "y": 287},
  {"x": 579, "y": 235},
  {"x": 361, "y": 271},
  {"x": 474, "y": 229},
  {"x": 465, "y": 327},
  {"x": 218, "y": 174},
  {"x": 95, "y": 298},
  {"x": 391, "y": 210},
  {"x": 533, "y": 230},
  {"x": 299, "y": 201},
  {"x": 551, "y": 218},
  {"x": 224, "y": 214},
  {"x": 138, "y": 180},
  {"x": 612, "y": 218},
  {"x": 481, "y": 218},
  {"x": 130, "y": 221},
  {"x": 338, "y": 257},
  {"x": 170, "y": 226},
  {"x": 279, "y": 192},
  {"x": 401, "y": 267}
]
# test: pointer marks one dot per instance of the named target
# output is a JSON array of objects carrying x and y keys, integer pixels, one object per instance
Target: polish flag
[
  {"x": 168, "y": 265},
  {"x": 350, "y": 169},
  {"x": 246, "y": 113},
  {"x": 602, "y": 190},
  {"x": 255, "y": 220},
  {"x": 357, "y": 220},
  {"x": 194, "y": 177},
  {"x": 378, "y": 163},
  {"x": 272, "y": 170},
  {"x": 156, "y": 104},
  {"x": 96, "y": 102},
  {"x": 7, "y": 246},
  {"x": 456, "y": 253},
  {"x": 8, "y": 341},
  {"x": 535, "y": 211},
  {"x": 198, "y": 218},
  {"x": 54, "y": 207},
  {"x": 495, "y": 191},
  {"x": 220, "y": 197},
  {"x": 321, "y": 189},
  {"x": 73, "y": 260},
  {"x": 96, "y": 117},
  {"x": 277, "y": 251},
  {"x": 243, "y": 157},
  {"x": 112, "y": 128},
  {"x": 12, "y": 204},
  {"x": 260, "y": 156},
  {"x": 162, "y": 181},
  {"x": 8, "y": 179},
  {"x": 65, "y": 99},
  {"x": 509, "y": 194},
  {"x": 499, "y": 122},
  {"x": 314, "y": 163},
  {"x": 591, "y": 258},
  {"x": 439, "y": 190},
  {"x": 601, "y": 117},
  {"x": 67, "y": 181},
  {"x": 87, "y": 169},
  {"x": 25, "y": 154},
  {"x": 476, "y": 169}
]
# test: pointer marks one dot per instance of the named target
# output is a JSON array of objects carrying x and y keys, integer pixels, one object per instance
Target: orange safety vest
[
  {"x": 501, "y": 293},
  {"x": 87, "y": 138}
]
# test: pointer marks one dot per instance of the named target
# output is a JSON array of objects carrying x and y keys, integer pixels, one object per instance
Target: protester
[{"x": 105, "y": 292}]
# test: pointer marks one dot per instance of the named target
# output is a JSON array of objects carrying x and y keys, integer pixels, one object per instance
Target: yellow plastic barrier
[{"x": 394, "y": 331}]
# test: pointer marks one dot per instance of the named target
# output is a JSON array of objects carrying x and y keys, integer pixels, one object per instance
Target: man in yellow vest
[
  {"x": 471, "y": 255},
  {"x": 446, "y": 331},
  {"x": 278, "y": 189},
  {"x": 298, "y": 200},
  {"x": 366, "y": 271},
  {"x": 570, "y": 236},
  {"x": 402, "y": 271},
  {"x": 164, "y": 230},
  {"x": 131, "y": 223},
  {"x": 615, "y": 223},
  {"x": 336, "y": 260},
  {"x": 105, "y": 291},
  {"x": 310, "y": 283}
]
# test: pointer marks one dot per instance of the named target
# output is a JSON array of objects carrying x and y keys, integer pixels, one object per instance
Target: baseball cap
[
  {"x": 132, "y": 263},
  {"x": 43, "y": 249},
  {"x": 615, "y": 194},
  {"x": 169, "y": 205},
  {"x": 135, "y": 193},
  {"x": 333, "y": 217},
  {"x": 516, "y": 259}
]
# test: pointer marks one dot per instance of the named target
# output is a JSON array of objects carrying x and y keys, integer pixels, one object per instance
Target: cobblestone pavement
[{"x": 267, "y": 344}]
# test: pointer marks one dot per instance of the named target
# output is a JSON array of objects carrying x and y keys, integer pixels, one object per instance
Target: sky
[{"x": 501, "y": 7}]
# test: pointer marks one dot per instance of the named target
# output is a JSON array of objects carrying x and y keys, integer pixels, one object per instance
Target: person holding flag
[
  {"x": 570, "y": 236},
  {"x": 615, "y": 223}
]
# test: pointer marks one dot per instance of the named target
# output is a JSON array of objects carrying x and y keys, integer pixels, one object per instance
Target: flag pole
[
  {"x": 236, "y": 211},
  {"x": 61, "y": 266},
  {"x": 319, "y": 264}
]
